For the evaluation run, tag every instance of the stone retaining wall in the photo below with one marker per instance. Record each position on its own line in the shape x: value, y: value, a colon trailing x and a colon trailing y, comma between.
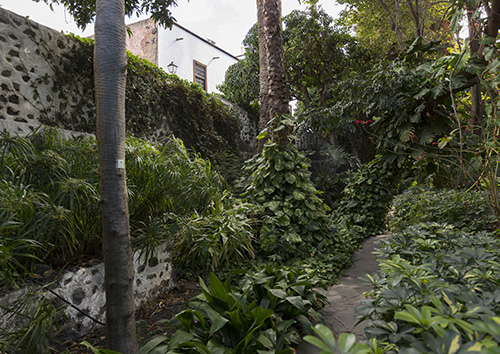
x: 84, y: 288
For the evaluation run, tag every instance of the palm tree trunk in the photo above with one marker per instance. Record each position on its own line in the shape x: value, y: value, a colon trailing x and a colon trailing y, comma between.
x: 110, y: 65
x: 277, y: 94
x: 263, y: 75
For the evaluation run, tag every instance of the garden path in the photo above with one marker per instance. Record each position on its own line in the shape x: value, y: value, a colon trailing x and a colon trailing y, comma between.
x: 346, y: 296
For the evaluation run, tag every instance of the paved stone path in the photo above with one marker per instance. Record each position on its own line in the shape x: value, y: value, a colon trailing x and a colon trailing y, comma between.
x: 346, y: 296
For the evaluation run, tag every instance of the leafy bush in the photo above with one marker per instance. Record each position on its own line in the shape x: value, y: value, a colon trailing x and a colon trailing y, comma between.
x: 437, y: 289
x: 168, y: 178
x: 293, y: 219
x: 468, y: 211
x: 264, y: 313
x: 365, y: 202
x: 332, y: 172
x: 50, y: 203
x: 210, y: 242
x: 49, y: 189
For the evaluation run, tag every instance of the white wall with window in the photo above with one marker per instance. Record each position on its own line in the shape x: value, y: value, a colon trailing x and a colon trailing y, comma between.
x: 197, y: 58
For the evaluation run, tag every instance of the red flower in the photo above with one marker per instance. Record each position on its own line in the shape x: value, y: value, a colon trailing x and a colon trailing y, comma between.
x: 358, y: 122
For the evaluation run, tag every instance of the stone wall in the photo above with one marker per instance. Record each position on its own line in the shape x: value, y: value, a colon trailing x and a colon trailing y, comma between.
x: 84, y: 288
x: 46, y: 78
x: 248, y: 131
x: 32, y: 56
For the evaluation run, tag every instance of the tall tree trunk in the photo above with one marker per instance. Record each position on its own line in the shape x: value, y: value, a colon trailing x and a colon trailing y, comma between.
x: 475, y: 91
x: 415, y: 13
x: 110, y: 67
x: 278, y: 92
x: 263, y: 76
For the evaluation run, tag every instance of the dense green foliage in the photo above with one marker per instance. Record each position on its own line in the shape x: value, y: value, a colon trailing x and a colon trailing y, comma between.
x: 365, y: 201
x: 217, y: 240
x: 331, y: 171
x: 317, y: 57
x: 264, y: 312
x: 156, y: 99
x: 377, y: 26
x: 157, y: 105
x: 49, y: 200
x: 293, y: 219
x: 466, y: 210
x: 437, y: 288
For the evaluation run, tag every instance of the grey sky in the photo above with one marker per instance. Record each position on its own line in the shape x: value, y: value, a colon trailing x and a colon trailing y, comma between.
x: 224, y: 21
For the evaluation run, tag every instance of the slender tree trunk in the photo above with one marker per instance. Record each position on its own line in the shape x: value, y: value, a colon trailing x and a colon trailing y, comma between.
x: 263, y: 75
x: 110, y: 65
x: 475, y: 91
x: 278, y: 91
x: 395, y: 24
x: 414, y: 10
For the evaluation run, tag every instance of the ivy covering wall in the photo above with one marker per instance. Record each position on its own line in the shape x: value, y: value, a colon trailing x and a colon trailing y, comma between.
x: 55, y: 87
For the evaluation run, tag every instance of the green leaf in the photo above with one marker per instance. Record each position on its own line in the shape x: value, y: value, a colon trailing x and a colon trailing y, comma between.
x: 298, y: 302
x: 152, y: 344
x: 312, y: 226
x: 298, y: 195
x: 279, y: 293
x: 326, y: 336
x: 318, y: 343
x: 290, y: 177
x: 217, y: 288
x: 488, y: 53
x: 98, y: 351
x: 406, y: 316
x: 487, y: 40
x: 284, y: 220
x: 422, y: 93
x: 179, y: 338
x: 487, y: 327
x: 260, y: 315
x: 452, y: 342
x: 262, y: 135
x: 345, y: 342
x: 273, y: 205
x: 458, y: 81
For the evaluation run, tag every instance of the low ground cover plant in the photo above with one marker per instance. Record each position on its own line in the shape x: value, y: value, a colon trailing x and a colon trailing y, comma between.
x: 437, y: 292
x: 266, y: 311
x: 466, y: 210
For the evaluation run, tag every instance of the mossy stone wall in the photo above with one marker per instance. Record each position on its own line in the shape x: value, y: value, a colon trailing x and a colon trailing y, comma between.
x: 46, y: 77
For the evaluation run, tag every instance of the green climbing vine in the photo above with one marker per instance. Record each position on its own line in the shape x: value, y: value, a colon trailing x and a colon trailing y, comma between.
x: 157, y: 104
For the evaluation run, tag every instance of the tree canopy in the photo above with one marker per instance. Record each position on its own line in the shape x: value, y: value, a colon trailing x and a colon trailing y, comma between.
x: 389, y: 26
x: 84, y: 11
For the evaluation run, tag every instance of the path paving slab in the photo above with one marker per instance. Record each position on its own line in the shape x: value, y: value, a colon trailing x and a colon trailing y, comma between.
x: 347, y: 295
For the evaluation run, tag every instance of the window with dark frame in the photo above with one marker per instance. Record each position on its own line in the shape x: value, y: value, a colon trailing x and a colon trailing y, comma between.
x: 200, y: 74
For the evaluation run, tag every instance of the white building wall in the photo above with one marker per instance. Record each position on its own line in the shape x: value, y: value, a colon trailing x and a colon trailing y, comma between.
x: 183, y: 51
